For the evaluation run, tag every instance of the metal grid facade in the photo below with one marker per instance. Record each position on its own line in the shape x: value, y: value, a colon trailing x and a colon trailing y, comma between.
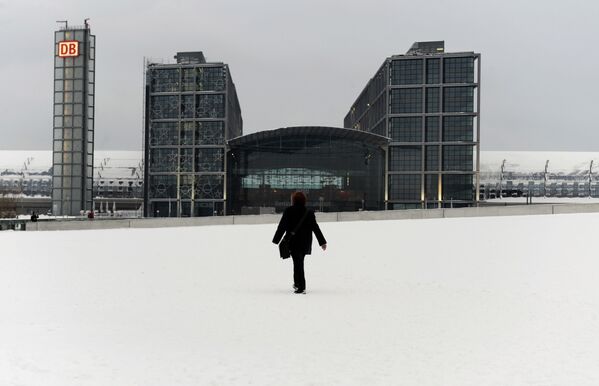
x: 73, y: 122
x: 191, y: 110
x: 428, y: 103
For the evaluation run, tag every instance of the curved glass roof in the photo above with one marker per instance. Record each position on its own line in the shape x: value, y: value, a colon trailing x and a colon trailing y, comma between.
x: 336, y: 132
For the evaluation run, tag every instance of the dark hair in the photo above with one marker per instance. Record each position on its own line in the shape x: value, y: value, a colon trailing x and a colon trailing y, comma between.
x: 298, y: 198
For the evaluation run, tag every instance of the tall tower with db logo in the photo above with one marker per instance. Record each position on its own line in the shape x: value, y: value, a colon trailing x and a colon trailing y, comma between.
x: 73, y: 120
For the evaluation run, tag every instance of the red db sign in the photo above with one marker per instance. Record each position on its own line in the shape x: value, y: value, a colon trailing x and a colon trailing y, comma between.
x: 68, y: 48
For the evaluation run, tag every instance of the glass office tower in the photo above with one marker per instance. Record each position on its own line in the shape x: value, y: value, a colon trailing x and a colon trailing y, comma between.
x: 427, y: 101
x: 73, y: 147
x: 191, y: 110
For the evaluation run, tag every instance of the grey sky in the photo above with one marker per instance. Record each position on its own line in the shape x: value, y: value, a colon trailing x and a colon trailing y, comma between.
x: 304, y: 62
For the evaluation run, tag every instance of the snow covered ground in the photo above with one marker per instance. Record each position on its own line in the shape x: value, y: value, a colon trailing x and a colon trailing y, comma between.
x: 472, y: 301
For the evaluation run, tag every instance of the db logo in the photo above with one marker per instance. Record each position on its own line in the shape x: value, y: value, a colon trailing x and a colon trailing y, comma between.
x: 68, y: 48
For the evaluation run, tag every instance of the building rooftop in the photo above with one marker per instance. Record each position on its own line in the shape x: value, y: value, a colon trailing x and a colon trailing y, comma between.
x: 420, y: 48
x: 192, y: 57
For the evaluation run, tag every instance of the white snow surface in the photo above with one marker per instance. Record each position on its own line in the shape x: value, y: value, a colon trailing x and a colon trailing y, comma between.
x: 473, y: 301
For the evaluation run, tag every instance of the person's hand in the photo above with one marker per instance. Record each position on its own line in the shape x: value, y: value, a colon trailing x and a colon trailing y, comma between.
x: 324, y: 247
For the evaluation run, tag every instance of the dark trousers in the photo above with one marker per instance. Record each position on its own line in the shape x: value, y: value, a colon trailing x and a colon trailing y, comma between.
x: 298, y: 270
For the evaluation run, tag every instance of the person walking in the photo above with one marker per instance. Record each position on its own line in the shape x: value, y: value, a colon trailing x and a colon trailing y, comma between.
x: 300, y: 242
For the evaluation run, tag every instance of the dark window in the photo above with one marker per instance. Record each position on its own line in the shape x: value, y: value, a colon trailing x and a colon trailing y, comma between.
x: 458, y: 70
x: 406, y: 100
x: 457, y: 187
x: 406, y: 129
x: 433, y: 100
x: 406, y: 72
x: 432, y: 129
x: 405, y: 158
x: 458, y: 128
x: 457, y: 158
x: 458, y: 99
x: 433, y: 71
x: 432, y: 158
x: 404, y: 187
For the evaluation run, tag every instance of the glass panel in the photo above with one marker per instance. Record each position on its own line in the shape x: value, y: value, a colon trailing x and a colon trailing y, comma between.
x: 432, y: 129
x: 457, y: 187
x: 164, y: 160
x: 209, y: 187
x: 209, y: 160
x: 210, y: 106
x: 458, y: 99
x: 404, y: 187
x: 433, y: 71
x: 406, y: 71
x: 406, y: 100
x: 210, y: 78
x: 210, y: 133
x: 406, y: 129
x: 458, y: 128
x: 186, y: 160
x: 405, y: 158
x: 163, y: 187
x: 431, y: 187
x: 164, y: 133
x: 433, y: 100
x: 164, y: 107
x: 458, y: 70
x: 187, y: 131
x: 432, y: 158
x: 187, y: 106
x: 164, y: 80
x: 458, y: 158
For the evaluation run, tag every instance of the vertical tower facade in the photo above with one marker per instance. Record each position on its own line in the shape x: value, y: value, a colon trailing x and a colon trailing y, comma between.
x: 73, y: 120
x: 428, y: 103
x: 191, y: 110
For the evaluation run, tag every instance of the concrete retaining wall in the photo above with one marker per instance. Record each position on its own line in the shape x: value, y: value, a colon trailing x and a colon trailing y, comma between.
x: 520, y: 210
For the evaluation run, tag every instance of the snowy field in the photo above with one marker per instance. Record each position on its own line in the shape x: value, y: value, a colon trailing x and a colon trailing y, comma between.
x: 474, y: 301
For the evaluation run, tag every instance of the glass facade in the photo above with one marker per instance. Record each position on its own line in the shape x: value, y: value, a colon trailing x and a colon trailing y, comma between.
x: 192, y: 109
x: 73, y: 123
x: 338, y: 170
x: 432, y: 121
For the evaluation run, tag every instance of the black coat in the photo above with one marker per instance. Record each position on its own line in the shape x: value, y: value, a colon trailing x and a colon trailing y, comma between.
x: 302, y: 240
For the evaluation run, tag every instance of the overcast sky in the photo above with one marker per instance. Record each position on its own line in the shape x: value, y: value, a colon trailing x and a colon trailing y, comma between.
x: 303, y: 62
